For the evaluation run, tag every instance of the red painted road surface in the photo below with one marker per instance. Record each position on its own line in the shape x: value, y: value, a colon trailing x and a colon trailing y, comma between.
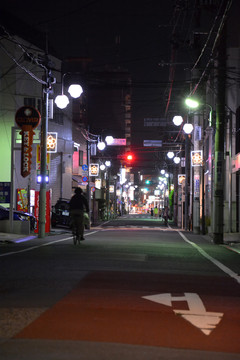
x: 109, y: 307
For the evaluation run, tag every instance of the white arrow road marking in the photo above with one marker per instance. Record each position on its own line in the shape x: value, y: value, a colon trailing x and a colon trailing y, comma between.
x: 197, y: 315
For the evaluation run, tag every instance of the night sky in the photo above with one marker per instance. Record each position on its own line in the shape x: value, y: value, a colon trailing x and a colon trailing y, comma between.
x: 144, y: 37
x: 133, y: 34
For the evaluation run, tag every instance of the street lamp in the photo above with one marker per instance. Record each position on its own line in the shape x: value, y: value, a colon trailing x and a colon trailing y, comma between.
x: 170, y: 154
x: 176, y: 159
x: 192, y: 103
x: 108, y: 163
x: 75, y: 90
x: 101, y: 145
x: 195, y: 171
x: 62, y: 101
x: 109, y: 140
x: 177, y: 120
x: 188, y: 128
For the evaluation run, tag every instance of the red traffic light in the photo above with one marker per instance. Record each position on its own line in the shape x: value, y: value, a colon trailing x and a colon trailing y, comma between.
x: 129, y: 157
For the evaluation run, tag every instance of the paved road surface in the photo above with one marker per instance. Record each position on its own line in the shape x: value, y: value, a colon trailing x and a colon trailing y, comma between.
x: 134, y: 289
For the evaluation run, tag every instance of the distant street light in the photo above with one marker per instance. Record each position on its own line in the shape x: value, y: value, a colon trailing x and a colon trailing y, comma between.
x: 177, y: 120
x: 188, y: 128
x: 108, y: 163
x: 101, y: 145
x: 109, y: 140
x: 170, y: 154
x: 191, y: 103
x: 176, y: 159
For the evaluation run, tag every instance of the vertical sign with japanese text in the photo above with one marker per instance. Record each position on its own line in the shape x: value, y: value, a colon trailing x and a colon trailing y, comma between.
x: 27, y: 118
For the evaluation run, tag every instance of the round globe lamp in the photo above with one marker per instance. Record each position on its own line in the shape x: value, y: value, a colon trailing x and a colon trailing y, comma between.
x: 62, y: 101
x: 75, y: 90
x: 177, y: 120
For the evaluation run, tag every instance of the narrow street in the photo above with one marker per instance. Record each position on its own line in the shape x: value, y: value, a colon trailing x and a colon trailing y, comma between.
x: 134, y: 289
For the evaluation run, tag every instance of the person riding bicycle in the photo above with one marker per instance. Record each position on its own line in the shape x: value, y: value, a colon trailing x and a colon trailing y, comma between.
x: 77, y: 205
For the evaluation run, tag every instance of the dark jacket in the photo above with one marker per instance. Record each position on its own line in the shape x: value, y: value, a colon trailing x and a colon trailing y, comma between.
x: 78, y: 202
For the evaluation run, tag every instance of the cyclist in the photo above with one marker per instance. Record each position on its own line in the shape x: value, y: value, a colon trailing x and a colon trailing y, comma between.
x: 77, y: 205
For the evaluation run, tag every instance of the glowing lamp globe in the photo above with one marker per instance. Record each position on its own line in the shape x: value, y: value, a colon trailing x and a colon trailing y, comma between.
x: 176, y: 160
x: 191, y: 103
x: 177, y: 120
x: 108, y: 163
x: 101, y: 145
x: 61, y: 101
x: 75, y: 90
x: 170, y: 154
x: 188, y: 128
x: 109, y: 140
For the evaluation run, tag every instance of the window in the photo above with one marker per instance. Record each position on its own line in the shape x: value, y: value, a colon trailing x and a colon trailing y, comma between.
x: 30, y: 102
x: 80, y: 157
x: 57, y: 116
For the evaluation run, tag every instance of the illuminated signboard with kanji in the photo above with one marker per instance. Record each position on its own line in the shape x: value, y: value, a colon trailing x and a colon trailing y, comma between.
x: 52, y: 142
x: 181, y: 179
x: 196, y: 158
x: 94, y: 169
x: 27, y: 118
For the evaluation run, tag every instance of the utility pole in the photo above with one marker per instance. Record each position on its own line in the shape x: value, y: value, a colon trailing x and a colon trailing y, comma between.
x: 218, y: 199
x: 44, y: 131
x: 88, y: 182
x: 187, y: 173
x: 196, y: 171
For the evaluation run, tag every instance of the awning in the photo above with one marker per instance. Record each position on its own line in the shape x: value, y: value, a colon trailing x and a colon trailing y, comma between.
x: 77, y: 178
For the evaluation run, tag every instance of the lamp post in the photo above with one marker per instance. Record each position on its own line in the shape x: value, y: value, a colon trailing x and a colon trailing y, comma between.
x: 108, y: 165
x: 75, y: 90
x: 198, y: 171
x: 195, y: 171
x: 187, y: 129
x: 44, y: 130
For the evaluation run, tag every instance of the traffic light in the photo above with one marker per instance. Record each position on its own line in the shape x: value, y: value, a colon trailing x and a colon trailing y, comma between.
x: 129, y: 158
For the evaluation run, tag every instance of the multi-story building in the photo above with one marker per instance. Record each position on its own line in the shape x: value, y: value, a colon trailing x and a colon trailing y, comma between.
x: 23, y: 67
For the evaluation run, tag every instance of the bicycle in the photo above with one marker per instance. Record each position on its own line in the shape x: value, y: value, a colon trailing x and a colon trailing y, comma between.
x: 75, y: 235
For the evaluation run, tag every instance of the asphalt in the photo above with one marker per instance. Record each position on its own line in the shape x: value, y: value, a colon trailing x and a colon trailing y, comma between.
x: 231, y: 240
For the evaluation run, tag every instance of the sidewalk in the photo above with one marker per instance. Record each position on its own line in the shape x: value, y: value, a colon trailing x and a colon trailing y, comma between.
x: 232, y: 241
x: 15, y: 238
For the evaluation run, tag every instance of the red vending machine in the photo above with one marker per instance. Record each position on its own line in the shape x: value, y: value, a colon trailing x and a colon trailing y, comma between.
x: 48, y: 211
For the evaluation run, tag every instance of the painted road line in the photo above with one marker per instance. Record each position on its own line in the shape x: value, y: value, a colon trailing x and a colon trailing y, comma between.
x: 197, y: 315
x: 41, y: 245
x: 210, y: 258
x: 121, y: 313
